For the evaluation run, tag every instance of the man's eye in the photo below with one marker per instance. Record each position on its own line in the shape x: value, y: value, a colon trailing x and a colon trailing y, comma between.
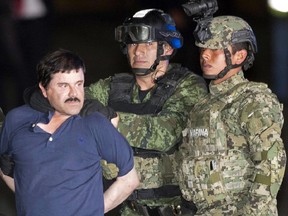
x: 63, y: 85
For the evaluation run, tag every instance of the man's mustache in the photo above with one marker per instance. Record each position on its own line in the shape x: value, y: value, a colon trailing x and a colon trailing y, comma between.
x: 72, y: 99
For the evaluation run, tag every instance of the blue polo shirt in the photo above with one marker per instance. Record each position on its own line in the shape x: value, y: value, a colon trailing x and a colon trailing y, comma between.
x: 60, y: 174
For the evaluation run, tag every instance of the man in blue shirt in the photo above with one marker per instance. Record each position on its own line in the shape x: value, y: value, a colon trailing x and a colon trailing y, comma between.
x: 57, y: 155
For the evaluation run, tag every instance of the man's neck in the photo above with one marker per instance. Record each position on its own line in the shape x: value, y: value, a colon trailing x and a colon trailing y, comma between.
x: 145, y: 82
x: 148, y: 81
x: 55, y: 122
x: 228, y: 75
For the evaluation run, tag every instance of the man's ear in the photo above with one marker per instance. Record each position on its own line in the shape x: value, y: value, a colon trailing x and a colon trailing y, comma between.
x: 168, y: 50
x: 240, y: 56
x: 43, y: 90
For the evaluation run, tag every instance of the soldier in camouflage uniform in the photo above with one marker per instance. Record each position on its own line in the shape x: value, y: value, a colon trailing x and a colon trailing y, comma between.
x: 153, y: 103
x: 233, y: 155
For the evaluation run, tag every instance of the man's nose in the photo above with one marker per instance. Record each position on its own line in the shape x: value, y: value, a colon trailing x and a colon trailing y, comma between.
x: 205, y: 54
x: 72, y: 92
x: 139, y: 48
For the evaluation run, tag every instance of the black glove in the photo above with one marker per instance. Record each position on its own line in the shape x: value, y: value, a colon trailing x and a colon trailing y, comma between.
x: 93, y: 105
x: 7, y: 165
x: 34, y: 98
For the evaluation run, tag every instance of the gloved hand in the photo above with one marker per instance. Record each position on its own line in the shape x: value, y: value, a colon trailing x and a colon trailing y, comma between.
x: 7, y: 165
x: 34, y: 97
x: 93, y: 105
x: 110, y: 170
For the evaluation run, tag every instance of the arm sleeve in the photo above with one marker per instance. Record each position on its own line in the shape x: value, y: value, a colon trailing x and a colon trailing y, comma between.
x: 99, y: 90
x: 263, y: 120
x: 164, y: 130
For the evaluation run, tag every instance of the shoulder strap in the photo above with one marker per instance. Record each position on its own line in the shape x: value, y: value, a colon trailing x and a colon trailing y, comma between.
x: 167, y: 85
x: 121, y: 87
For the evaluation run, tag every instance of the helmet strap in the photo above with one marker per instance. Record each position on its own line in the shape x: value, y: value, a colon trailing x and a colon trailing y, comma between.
x: 146, y: 71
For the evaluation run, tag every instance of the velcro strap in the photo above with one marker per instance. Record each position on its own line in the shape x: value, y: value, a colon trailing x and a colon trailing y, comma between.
x: 262, y: 179
x: 259, y: 156
x: 214, y: 177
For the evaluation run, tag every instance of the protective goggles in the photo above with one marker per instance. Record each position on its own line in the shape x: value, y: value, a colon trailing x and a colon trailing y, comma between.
x: 135, y: 33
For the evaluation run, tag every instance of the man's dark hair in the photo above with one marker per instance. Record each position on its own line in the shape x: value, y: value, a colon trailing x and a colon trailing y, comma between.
x: 58, y: 61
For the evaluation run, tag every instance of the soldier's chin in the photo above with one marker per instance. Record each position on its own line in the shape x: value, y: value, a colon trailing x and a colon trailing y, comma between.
x: 141, y: 71
x: 210, y: 76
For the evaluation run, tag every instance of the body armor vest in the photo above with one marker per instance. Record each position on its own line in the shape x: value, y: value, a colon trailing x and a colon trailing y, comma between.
x: 217, y: 165
x: 121, y: 88
x: 154, y: 167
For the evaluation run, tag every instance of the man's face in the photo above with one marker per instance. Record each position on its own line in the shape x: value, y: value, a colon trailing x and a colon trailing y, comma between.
x: 212, y: 61
x: 65, y: 92
x: 142, y: 55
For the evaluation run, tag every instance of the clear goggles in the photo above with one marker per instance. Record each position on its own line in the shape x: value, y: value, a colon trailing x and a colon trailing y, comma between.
x: 135, y: 33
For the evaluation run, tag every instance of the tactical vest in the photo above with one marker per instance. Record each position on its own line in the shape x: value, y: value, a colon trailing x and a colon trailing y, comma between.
x: 121, y: 88
x: 155, y: 167
x: 217, y: 167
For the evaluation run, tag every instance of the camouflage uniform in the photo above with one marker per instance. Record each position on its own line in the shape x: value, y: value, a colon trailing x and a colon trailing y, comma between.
x: 233, y: 156
x: 160, y: 132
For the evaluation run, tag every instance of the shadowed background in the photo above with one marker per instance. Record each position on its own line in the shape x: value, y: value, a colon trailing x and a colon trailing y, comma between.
x: 87, y: 27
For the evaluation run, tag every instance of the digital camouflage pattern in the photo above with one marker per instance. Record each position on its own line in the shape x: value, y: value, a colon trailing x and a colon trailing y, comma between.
x: 110, y: 170
x: 224, y: 32
x: 155, y: 132
x: 233, y: 156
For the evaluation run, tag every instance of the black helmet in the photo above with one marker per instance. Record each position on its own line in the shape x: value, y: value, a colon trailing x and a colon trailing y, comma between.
x: 147, y: 26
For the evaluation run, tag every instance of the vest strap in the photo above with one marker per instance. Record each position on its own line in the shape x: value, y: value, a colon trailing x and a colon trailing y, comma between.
x: 167, y: 191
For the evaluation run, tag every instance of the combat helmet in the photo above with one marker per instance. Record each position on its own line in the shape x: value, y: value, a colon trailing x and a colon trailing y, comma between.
x: 222, y: 31
x: 149, y: 25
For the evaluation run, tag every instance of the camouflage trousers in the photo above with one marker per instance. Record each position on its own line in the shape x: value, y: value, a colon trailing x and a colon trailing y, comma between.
x: 141, y: 210
x: 247, y: 210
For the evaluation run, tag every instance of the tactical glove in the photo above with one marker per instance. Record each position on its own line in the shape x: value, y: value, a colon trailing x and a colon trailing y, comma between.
x: 7, y: 165
x: 110, y: 170
x: 93, y: 105
x: 34, y: 97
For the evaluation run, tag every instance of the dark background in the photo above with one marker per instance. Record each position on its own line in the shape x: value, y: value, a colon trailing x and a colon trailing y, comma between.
x: 87, y: 27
